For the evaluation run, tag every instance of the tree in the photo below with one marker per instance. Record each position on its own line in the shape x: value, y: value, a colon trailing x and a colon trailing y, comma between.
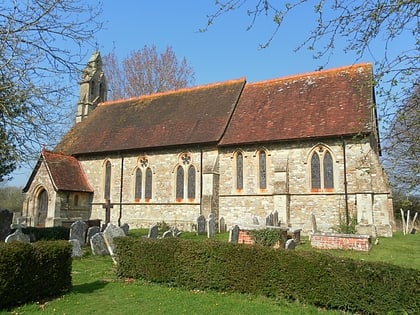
x: 11, y: 198
x: 40, y: 53
x: 146, y: 72
x: 359, y: 26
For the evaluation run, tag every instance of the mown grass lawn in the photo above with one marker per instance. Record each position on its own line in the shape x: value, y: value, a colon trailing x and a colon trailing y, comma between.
x: 96, y: 290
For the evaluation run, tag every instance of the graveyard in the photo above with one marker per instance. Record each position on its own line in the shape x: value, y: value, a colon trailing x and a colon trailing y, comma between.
x: 95, y: 278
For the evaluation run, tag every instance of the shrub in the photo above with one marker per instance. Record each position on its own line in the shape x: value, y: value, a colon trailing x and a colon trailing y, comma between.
x: 309, y: 277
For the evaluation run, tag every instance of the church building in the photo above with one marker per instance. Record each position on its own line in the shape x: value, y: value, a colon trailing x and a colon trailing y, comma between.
x: 294, y: 146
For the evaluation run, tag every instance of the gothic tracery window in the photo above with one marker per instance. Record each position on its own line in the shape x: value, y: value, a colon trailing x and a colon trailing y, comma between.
x: 322, y: 170
x: 148, y: 185
x: 239, y: 171
x: 191, y: 182
x: 107, y: 181
x: 185, y: 180
x: 180, y: 183
x: 262, y: 170
x: 138, y: 184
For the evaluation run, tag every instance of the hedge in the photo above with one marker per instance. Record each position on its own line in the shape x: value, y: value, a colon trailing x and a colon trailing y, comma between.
x: 32, y: 272
x: 309, y: 277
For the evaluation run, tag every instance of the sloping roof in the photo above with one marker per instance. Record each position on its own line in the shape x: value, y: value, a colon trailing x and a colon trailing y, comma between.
x: 183, y: 117
x: 65, y: 172
x: 318, y: 104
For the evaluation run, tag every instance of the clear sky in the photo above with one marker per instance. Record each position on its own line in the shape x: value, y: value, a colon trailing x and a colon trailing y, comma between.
x: 225, y: 51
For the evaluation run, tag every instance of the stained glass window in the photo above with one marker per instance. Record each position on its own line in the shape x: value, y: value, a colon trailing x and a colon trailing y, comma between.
x: 191, y: 182
x: 262, y: 170
x: 148, y: 188
x: 107, y: 186
x: 315, y: 172
x: 239, y: 171
x: 137, y: 192
x: 328, y: 171
x: 179, y: 183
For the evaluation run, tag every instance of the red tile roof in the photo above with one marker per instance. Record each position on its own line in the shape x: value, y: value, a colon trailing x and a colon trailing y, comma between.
x: 65, y: 172
x: 184, y: 117
x: 312, y: 105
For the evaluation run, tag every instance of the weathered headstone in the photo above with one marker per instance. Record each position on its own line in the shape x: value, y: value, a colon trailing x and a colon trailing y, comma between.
x: 112, y: 231
x: 90, y: 232
x: 6, y: 218
x: 269, y: 220
x: 313, y: 222
x: 211, y: 226
x: 276, y: 218
x: 234, y: 234
x: 296, y: 235
x: 201, y: 225
x: 255, y: 221
x: 167, y: 233
x: 76, y: 248
x: 18, y: 235
x: 125, y: 228
x: 176, y: 232
x: 153, y: 231
x: 290, y: 244
x: 78, y: 231
x: 222, y: 225
x: 98, y: 246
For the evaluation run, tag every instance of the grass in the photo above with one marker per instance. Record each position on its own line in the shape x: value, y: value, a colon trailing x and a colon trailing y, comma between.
x: 96, y: 290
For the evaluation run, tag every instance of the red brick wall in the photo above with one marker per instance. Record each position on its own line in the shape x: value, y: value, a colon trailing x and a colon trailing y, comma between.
x: 244, y: 238
x: 341, y: 241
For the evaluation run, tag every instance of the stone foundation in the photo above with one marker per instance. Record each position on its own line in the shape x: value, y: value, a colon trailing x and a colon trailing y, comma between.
x: 341, y: 241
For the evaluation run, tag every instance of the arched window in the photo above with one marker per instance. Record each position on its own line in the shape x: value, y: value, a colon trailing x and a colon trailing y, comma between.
x: 239, y: 171
x: 191, y: 182
x: 262, y: 170
x: 322, y: 170
x: 138, y: 184
x: 328, y: 171
x: 180, y: 183
x: 148, y: 188
x: 107, y: 181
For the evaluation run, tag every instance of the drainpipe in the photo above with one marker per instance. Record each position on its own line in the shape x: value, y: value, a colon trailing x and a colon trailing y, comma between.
x: 345, y: 186
x: 121, y: 189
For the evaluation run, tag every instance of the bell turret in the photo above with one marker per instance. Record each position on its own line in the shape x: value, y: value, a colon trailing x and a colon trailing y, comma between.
x: 92, y: 87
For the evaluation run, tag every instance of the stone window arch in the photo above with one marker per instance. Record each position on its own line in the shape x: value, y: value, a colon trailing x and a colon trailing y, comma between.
x: 143, y: 180
x: 322, y: 172
x: 185, y: 178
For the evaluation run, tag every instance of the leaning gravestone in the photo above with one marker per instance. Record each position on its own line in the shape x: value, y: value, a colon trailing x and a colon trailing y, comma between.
x: 92, y: 231
x: 313, y: 222
x: 153, y: 231
x: 76, y: 248
x: 98, y: 246
x: 112, y: 231
x: 125, y: 228
x: 18, y: 235
x: 211, y: 227
x: 201, y: 225
x: 6, y: 218
x: 234, y: 234
x: 78, y: 232
x: 168, y: 233
x: 222, y: 225
x: 290, y: 244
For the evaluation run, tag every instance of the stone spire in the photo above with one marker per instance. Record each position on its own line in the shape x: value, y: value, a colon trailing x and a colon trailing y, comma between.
x: 92, y: 87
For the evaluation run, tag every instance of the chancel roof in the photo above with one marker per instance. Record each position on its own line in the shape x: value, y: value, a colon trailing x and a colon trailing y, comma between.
x: 327, y: 103
x: 336, y: 102
x: 65, y: 172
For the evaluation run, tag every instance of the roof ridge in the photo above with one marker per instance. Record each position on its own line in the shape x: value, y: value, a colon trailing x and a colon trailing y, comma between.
x: 311, y: 73
x: 180, y: 90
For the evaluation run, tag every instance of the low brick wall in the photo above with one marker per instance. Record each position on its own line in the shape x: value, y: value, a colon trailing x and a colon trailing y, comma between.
x: 245, y: 238
x: 341, y: 241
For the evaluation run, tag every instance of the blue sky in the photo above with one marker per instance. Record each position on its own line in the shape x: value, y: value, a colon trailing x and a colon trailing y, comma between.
x: 225, y: 51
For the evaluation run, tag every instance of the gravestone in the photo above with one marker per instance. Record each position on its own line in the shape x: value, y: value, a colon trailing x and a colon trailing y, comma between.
x: 18, y: 235
x: 296, y: 235
x: 255, y: 221
x: 176, y: 232
x: 112, y: 231
x: 78, y: 231
x: 276, y: 218
x: 269, y: 220
x: 211, y: 226
x: 125, y: 228
x: 290, y: 244
x: 153, y: 231
x: 6, y: 219
x: 98, y: 246
x: 313, y: 222
x: 76, y: 248
x: 168, y: 233
x: 90, y: 232
x: 201, y: 225
x: 222, y: 225
x: 234, y: 234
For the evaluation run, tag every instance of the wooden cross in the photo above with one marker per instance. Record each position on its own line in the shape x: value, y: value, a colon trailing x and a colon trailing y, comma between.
x: 107, y: 206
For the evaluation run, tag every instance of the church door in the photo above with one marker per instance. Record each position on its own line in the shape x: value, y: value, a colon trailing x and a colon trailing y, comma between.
x: 42, y: 208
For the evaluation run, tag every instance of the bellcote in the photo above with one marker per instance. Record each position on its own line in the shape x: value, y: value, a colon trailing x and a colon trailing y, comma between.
x: 92, y: 87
